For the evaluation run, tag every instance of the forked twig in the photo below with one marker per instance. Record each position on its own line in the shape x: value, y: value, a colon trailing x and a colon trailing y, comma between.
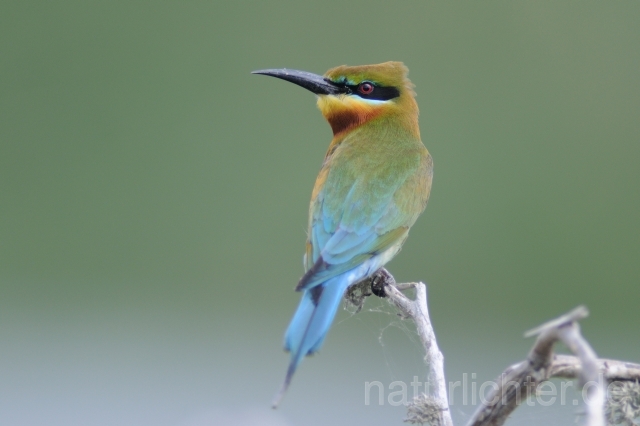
x: 518, y: 381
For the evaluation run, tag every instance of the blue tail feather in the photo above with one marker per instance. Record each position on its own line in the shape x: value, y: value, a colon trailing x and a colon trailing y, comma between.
x: 315, y: 313
x: 311, y: 322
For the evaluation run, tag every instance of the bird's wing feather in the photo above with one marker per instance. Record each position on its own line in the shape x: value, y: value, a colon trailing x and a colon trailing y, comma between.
x: 354, y: 216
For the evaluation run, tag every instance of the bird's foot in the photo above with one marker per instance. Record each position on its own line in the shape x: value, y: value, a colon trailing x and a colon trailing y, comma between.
x: 379, y: 280
x: 375, y: 284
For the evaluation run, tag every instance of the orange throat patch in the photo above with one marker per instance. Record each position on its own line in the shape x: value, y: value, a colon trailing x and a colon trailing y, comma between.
x: 344, y: 113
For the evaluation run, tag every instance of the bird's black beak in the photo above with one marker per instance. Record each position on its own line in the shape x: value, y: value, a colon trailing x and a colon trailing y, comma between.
x: 313, y: 82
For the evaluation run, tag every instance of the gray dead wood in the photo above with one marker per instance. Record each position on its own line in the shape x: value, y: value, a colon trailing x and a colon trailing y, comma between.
x: 518, y: 381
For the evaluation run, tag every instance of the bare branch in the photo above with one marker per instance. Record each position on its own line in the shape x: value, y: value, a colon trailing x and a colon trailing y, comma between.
x: 417, y: 310
x: 541, y: 365
x: 569, y: 367
x: 571, y: 337
x: 518, y: 381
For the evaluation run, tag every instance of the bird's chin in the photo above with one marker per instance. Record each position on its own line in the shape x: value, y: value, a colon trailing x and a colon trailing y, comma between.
x: 341, y: 104
x: 347, y: 112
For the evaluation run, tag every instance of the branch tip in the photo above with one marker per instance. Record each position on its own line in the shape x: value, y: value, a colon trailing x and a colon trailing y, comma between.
x: 577, y: 314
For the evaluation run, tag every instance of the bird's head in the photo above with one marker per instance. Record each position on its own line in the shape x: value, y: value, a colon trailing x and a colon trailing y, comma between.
x: 349, y: 96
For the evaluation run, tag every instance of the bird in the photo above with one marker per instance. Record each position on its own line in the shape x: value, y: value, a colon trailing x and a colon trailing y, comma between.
x: 373, y: 184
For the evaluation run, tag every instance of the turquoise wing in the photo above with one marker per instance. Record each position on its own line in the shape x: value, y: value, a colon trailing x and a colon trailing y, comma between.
x: 362, y: 210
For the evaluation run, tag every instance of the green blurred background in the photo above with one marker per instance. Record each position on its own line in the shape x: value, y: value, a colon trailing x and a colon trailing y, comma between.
x: 154, y: 201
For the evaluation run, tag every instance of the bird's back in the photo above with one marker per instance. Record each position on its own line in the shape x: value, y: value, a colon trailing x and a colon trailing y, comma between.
x: 373, y: 184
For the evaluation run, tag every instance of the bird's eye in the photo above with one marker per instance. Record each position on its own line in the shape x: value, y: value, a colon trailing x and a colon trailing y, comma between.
x: 365, y: 88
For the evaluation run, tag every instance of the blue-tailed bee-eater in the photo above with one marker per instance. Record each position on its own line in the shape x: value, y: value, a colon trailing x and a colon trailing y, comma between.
x: 373, y: 184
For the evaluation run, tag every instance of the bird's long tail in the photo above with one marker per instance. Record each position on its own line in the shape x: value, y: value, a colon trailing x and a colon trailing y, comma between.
x: 311, y: 323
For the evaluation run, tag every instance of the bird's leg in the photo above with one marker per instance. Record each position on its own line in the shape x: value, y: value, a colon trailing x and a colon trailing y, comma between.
x: 375, y: 284
x: 379, y: 280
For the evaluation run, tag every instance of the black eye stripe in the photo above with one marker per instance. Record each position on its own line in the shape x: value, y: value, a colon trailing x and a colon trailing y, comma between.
x: 379, y: 93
